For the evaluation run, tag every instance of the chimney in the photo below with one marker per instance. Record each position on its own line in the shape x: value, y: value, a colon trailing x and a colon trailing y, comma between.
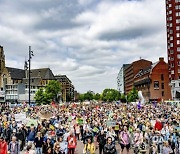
x: 161, y: 58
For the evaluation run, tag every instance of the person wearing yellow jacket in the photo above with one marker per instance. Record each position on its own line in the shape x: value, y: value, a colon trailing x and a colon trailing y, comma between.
x: 89, y: 147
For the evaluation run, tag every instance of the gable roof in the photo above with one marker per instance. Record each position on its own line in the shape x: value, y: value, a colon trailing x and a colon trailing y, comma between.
x: 43, y: 73
x: 16, y: 73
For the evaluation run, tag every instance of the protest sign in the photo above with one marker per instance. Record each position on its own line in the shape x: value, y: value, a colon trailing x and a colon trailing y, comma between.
x: 31, y: 122
x: 111, y: 123
x: 80, y: 121
x: 21, y: 117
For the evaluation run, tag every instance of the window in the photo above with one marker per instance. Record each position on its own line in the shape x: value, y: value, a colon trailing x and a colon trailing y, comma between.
x: 177, y: 21
x: 177, y: 7
x: 171, y: 52
x: 162, y: 93
x: 177, y: 27
x: 172, y: 71
x: 171, y: 45
x: 162, y: 85
x: 178, y: 48
x: 156, y: 84
x: 162, y: 77
x: 178, y: 56
x: 172, y: 65
x: 171, y: 31
x: 178, y: 70
x: 177, y: 34
x: 170, y: 5
x: 172, y: 58
x: 177, y: 14
x: 170, y: 18
x: 171, y: 38
x: 178, y: 63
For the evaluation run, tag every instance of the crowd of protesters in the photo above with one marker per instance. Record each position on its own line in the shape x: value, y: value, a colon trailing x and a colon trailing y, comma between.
x: 150, y: 128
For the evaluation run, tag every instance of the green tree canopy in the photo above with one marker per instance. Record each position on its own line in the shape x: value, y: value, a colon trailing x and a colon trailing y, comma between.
x: 39, y: 96
x: 48, y: 93
x: 88, y: 96
x: 132, y: 95
x: 110, y: 95
x: 97, y: 96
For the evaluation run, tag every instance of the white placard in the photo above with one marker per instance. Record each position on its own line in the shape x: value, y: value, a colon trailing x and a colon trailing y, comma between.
x: 20, y: 117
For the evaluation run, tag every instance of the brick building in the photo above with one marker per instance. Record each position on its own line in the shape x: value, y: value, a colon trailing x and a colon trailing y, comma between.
x: 153, y: 81
x: 132, y: 70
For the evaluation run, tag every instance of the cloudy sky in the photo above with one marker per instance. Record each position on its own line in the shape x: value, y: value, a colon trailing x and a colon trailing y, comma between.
x: 88, y: 40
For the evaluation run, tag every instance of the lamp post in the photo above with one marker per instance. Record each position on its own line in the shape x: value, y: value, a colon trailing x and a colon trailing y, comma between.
x: 30, y: 57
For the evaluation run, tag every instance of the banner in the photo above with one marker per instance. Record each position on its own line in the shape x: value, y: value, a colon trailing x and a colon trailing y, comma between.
x: 31, y: 122
x: 80, y: 121
x: 20, y: 117
x: 111, y: 123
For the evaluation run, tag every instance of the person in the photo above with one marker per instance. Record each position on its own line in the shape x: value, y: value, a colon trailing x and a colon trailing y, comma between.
x: 77, y: 131
x: 13, y: 147
x: 49, y: 151
x: 111, y: 133
x: 31, y: 135
x: 57, y: 150
x: 101, y: 139
x: 138, y: 140
x: 3, y: 146
x: 63, y: 145
x: 109, y: 147
x: 38, y: 141
x: 166, y: 148
x: 89, y: 147
x: 125, y: 140
x: 7, y: 133
x: 47, y: 144
x: 71, y: 143
x: 29, y: 150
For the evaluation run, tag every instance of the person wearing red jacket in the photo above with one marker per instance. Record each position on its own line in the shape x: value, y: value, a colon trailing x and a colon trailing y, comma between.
x: 158, y: 125
x: 3, y: 146
x: 71, y: 143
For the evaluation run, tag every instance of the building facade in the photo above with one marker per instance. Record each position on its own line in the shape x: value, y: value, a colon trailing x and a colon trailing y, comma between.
x: 14, y: 82
x: 153, y: 81
x: 173, y: 45
x: 120, y: 79
x: 132, y: 70
x: 67, y: 88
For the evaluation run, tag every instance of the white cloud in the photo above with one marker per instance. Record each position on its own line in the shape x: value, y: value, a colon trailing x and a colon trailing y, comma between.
x: 88, y: 40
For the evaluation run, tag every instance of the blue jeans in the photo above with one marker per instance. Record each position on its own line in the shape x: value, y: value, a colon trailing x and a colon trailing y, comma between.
x: 38, y: 150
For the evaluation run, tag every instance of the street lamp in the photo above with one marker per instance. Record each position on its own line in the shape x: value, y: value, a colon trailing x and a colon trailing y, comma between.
x: 31, y: 54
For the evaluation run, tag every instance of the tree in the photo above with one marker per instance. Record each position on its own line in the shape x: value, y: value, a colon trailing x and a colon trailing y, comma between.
x: 81, y: 97
x: 48, y: 93
x: 132, y: 95
x: 39, y: 96
x: 123, y: 98
x: 97, y: 96
x: 110, y: 95
x: 52, y: 89
x: 88, y: 96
